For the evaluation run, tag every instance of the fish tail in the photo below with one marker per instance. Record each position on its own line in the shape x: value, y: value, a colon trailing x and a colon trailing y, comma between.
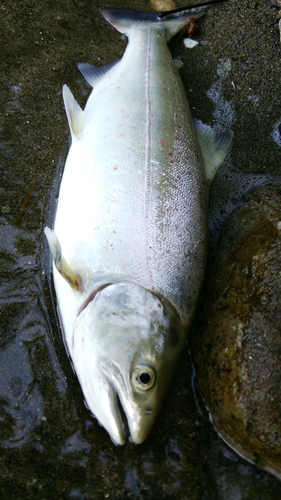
x: 171, y: 22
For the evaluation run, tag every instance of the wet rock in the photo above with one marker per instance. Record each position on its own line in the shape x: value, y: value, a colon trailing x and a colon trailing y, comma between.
x: 237, y: 339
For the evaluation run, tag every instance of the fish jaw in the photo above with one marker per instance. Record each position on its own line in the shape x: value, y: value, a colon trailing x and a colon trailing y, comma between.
x: 125, y: 351
x: 140, y: 409
x: 99, y: 392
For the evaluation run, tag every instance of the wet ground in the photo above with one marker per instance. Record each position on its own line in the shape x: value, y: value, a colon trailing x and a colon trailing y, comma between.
x: 51, y: 447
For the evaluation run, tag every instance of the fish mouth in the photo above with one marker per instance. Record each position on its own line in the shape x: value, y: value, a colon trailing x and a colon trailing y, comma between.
x: 125, y: 410
x: 131, y: 421
x: 120, y: 426
x: 119, y: 431
x: 123, y: 417
x: 110, y: 412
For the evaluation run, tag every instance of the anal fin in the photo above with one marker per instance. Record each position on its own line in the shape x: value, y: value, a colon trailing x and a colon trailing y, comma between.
x: 61, y: 264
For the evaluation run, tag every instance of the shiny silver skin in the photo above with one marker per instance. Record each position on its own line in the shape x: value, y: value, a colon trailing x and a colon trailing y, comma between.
x: 132, y: 224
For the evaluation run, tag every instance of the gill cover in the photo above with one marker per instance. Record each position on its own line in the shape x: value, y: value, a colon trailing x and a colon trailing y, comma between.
x: 125, y: 347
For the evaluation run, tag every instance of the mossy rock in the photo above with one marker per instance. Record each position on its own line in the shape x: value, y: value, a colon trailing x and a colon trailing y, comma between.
x: 236, y: 343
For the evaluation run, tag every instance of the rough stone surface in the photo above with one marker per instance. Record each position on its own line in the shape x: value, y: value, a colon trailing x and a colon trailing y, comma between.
x: 237, y: 346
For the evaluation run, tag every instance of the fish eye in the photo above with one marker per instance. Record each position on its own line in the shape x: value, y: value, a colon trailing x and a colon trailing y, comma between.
x: 143, y: 378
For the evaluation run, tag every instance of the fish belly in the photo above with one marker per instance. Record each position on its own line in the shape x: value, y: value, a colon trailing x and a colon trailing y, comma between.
x: 133, y: 198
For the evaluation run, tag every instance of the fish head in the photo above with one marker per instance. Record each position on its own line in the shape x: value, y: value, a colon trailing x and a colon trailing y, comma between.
x: 126, y: 345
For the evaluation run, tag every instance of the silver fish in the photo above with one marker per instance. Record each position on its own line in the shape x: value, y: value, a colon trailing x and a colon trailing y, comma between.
x: 132, y: 223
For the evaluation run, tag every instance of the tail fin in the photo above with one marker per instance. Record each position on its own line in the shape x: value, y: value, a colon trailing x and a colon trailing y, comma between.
x: 124, y: 19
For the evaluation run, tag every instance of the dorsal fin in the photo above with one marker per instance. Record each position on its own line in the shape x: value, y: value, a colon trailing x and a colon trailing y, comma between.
x: 74, y: 112
x: 214, y: 147
x: 93, y: 74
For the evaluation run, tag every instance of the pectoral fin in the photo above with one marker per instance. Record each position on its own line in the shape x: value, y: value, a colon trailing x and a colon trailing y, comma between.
x: 214, y: 147
x: 62, y: 266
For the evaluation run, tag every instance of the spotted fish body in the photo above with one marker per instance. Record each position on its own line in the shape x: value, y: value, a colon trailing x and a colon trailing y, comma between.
x: 131, y: 222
